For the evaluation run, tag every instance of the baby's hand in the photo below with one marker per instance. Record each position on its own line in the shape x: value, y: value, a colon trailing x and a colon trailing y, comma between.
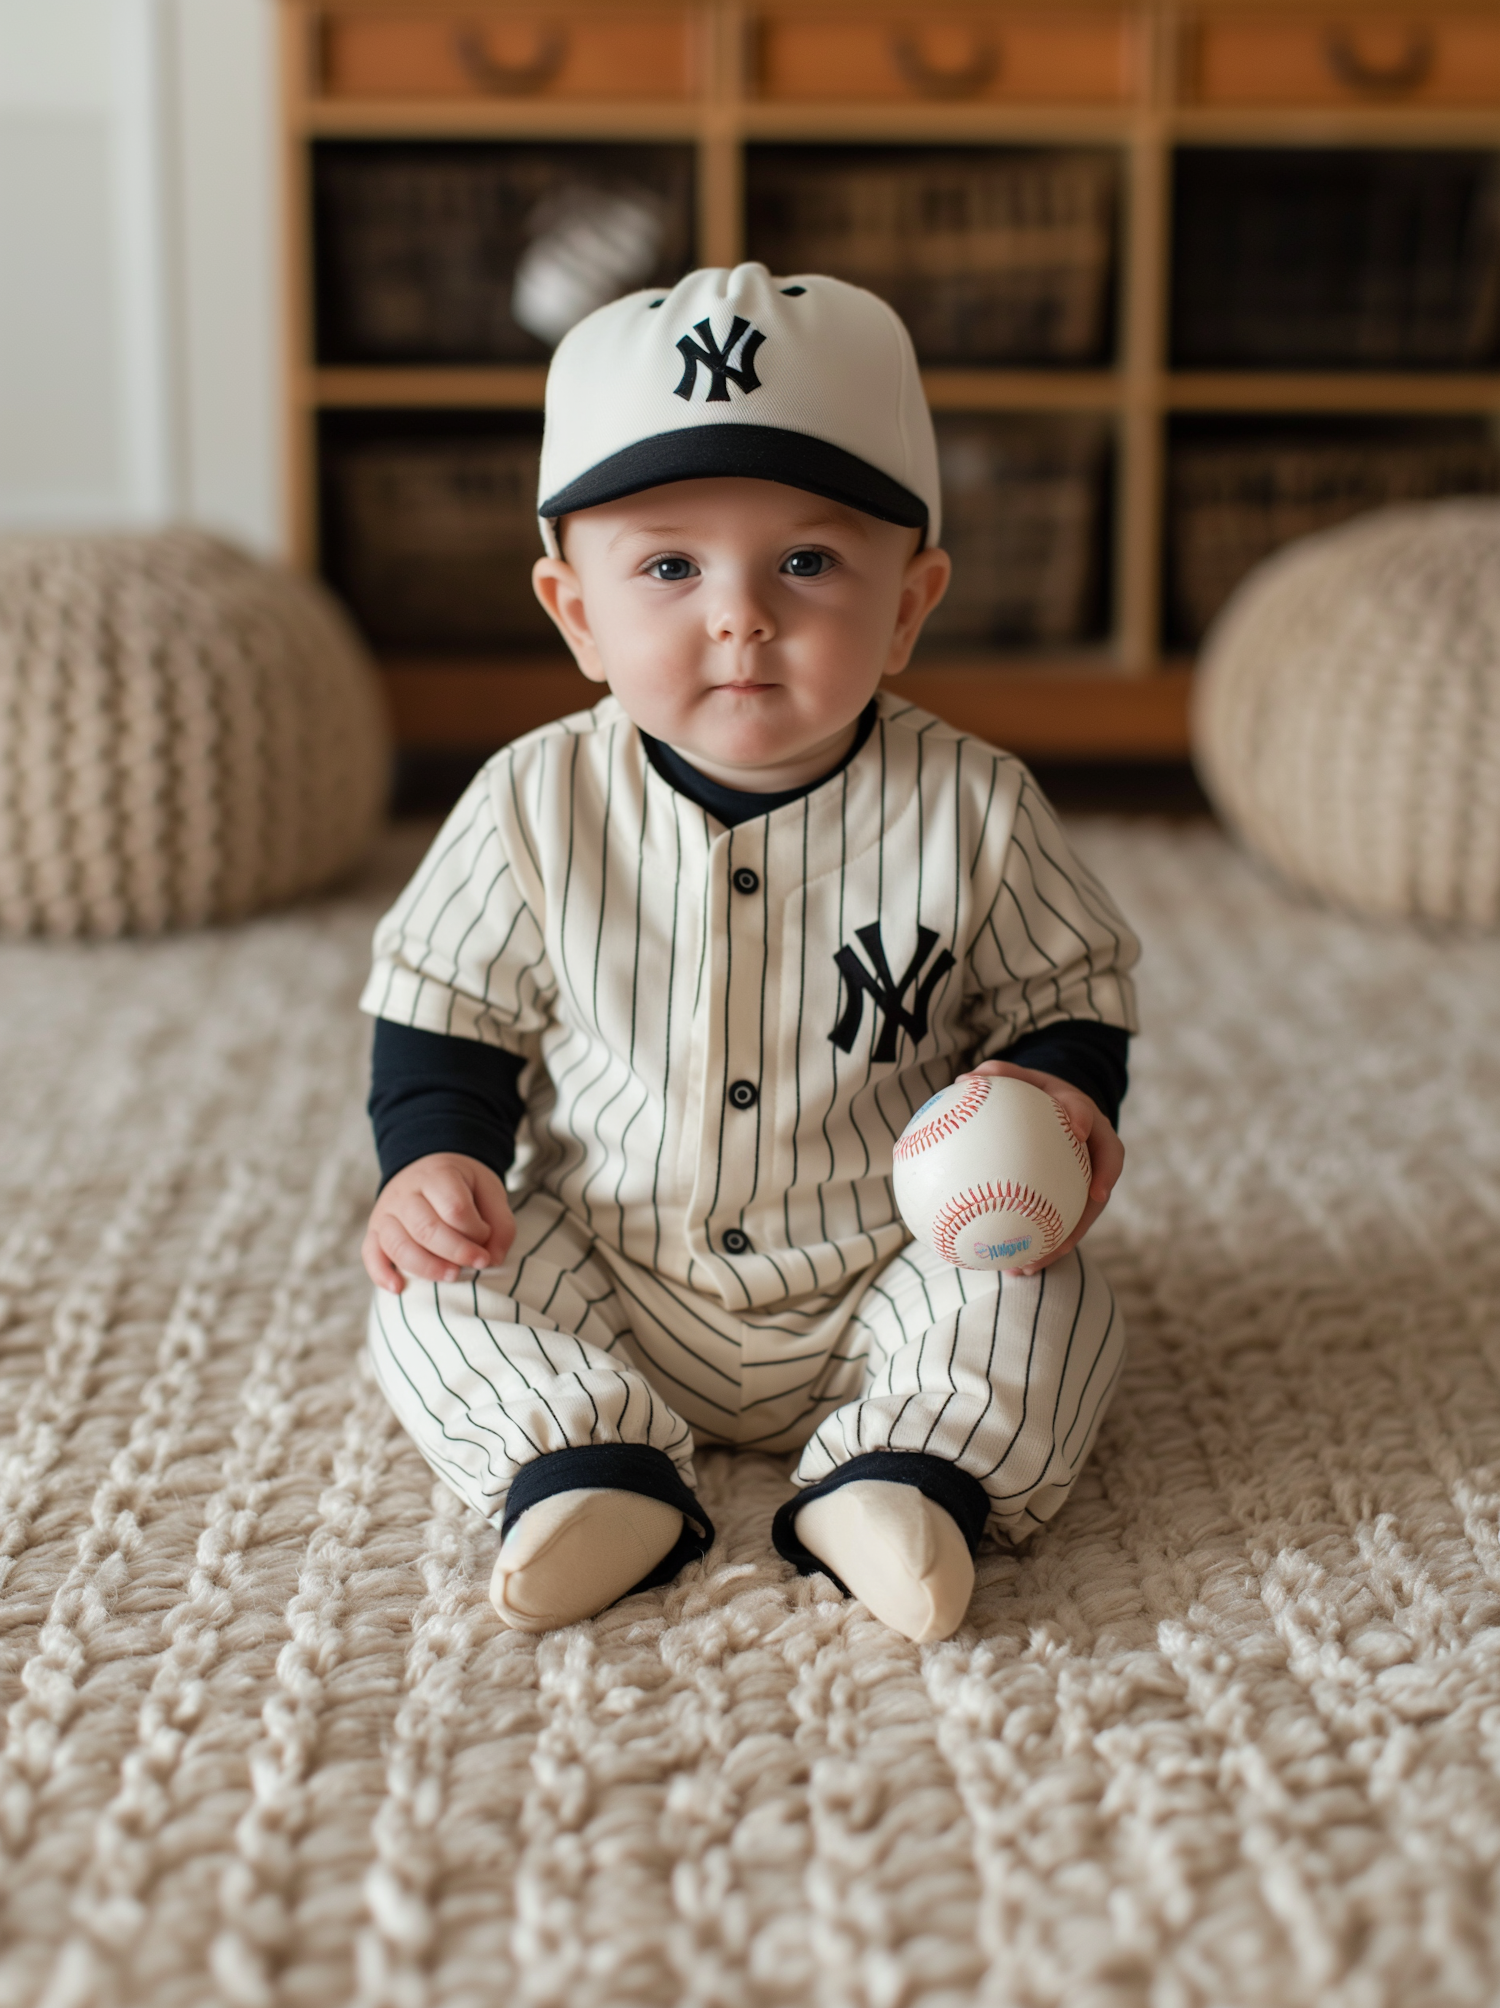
x: 1094, y: 1131
x: 436, y: 1217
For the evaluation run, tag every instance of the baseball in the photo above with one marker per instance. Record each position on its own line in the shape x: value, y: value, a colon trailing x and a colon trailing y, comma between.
x: 989, y: 1174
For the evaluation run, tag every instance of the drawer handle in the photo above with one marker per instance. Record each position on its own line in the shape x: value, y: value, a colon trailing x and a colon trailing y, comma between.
x: 967, y: 81
x: 1408, y: 72
x: 511, y: 80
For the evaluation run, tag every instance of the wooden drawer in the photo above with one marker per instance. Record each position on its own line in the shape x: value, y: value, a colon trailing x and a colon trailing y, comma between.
x: 514, y: 55
x: 1347, y: 59
x: 953, y: 57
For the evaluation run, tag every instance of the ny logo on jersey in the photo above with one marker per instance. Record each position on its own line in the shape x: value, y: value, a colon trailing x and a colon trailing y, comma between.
x: 716, y: 360
x: 886, y: 991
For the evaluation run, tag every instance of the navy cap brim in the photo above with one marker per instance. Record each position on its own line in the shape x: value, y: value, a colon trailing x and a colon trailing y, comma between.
x: 759, y: 452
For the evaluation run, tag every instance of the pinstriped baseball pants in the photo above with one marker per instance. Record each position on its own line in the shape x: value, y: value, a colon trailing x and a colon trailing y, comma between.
x: 567, y: 1344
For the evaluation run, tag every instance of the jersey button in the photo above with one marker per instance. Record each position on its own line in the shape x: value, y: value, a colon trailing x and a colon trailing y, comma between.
x: 746, y: 880
x: 743, y: 1094
x: 736, y: 1241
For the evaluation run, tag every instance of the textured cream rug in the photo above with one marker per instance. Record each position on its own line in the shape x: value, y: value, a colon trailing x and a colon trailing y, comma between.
x: 1229, y: 1733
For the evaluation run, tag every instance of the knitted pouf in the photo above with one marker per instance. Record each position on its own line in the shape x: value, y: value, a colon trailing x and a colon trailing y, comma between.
x: 186, y: 735
x: 1347, y: 712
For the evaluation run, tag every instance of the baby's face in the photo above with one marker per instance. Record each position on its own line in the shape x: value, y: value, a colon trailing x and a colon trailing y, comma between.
x: 745, y: 623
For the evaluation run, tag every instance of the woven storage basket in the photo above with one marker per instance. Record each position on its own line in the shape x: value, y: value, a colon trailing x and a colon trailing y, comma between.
x: 1023, y: 507
x: 1347, y: 714
x: 987, y: 257
x: 434, y: 540
x: 186, y: 735
x: 1231, y: 505
x: 418, y: 245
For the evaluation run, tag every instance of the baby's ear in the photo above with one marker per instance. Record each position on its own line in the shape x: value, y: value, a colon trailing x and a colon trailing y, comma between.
x: 557, y: 586
x: 922, y: 586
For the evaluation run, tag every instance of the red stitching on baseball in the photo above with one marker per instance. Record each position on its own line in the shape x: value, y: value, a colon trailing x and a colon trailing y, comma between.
x: 966, y: 1207
x: 1080, y: 1148
x: 912, y: 1143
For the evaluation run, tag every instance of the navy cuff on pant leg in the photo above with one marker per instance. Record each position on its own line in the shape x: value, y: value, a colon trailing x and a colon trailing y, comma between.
x: 621, y: 1467
x: 956, y: 1491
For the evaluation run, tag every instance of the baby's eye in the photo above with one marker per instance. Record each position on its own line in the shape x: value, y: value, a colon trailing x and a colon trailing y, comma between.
x: 671, y: 571
x: 808, y: 564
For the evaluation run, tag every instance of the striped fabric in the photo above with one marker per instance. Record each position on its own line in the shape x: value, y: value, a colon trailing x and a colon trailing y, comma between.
x: 725, y: 1031
x: 567, y: 1344
x: 728, y: 1029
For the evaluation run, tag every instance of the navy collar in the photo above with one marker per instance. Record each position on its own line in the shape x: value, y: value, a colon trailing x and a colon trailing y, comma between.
x: 733, y: 806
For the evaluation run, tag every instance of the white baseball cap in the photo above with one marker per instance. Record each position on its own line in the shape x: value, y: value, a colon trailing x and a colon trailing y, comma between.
x: 806, y: 380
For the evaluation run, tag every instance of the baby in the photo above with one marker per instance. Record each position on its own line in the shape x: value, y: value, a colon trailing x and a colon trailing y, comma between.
x: 681, y: 968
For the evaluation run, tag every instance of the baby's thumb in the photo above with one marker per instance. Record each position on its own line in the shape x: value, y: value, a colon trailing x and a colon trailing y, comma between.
x: 457, y: 1207
x: 499, y: 1221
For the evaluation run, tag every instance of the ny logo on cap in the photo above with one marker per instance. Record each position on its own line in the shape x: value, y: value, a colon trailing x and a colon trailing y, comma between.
x: 716, y: 360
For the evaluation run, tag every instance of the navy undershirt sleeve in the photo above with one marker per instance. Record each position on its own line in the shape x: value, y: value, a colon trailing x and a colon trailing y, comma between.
x: 430, y: 1092
x: 1082, y: 1052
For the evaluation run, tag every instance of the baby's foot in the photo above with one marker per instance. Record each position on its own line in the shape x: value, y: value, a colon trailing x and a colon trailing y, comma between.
x: 897, y: 1551
x: 573, y: 1555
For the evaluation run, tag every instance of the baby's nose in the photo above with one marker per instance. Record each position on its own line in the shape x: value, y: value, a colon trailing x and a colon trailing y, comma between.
x: 742, y: 617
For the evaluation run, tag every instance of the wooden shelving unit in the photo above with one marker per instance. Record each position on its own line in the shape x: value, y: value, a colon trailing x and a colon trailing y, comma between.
x: 1141, y: 79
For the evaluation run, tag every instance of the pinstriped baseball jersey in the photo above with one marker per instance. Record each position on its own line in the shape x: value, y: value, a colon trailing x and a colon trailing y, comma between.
x: 726, y: 1030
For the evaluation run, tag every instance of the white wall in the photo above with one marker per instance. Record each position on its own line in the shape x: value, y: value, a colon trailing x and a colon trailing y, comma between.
x: 138, y: 265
